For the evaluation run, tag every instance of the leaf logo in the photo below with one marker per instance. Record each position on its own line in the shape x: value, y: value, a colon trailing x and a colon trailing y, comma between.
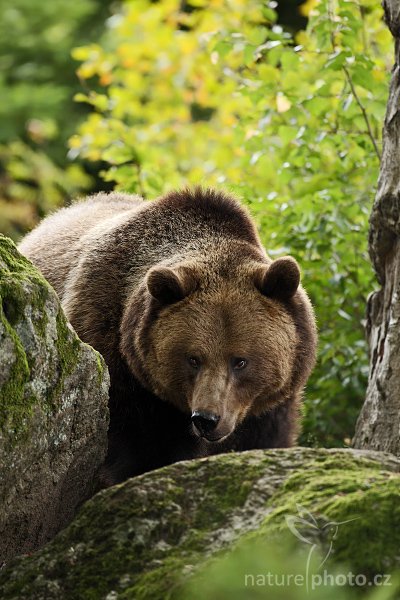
x: 306, y: 527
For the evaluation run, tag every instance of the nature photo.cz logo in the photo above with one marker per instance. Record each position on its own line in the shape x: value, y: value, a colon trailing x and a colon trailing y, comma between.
x: 308, y: 530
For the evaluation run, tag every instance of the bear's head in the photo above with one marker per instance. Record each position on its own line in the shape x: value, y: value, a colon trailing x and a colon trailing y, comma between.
x: 220, y: 346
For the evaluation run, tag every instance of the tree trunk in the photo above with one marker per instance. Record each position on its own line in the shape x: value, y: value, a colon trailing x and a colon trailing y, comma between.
x: 378, y: 425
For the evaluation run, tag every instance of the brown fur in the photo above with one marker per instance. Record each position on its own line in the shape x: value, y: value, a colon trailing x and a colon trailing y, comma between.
x: 150, y: 284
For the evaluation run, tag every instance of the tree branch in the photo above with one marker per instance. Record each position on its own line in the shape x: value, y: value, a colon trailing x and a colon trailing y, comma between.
x: 364, y: 112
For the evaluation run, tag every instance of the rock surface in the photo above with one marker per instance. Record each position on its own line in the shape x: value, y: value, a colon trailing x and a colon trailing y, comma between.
x: 53, y: 410
x: 151, y: 536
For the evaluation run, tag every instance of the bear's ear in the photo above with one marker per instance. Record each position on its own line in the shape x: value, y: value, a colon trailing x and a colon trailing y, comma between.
x: 170, y: 285
x: 280, y: 280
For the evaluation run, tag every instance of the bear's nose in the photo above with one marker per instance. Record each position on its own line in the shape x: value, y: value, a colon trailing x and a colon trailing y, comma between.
x: 205, y: 422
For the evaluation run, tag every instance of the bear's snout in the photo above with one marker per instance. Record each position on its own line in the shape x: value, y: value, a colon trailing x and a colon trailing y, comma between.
x: 205, y: 423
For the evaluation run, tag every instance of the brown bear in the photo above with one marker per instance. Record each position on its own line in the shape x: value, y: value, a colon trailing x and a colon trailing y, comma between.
x: 208, y: 341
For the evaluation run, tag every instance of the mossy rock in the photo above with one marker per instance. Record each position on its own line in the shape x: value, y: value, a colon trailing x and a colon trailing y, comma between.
x: 53, y: 409
x: 160, y: 535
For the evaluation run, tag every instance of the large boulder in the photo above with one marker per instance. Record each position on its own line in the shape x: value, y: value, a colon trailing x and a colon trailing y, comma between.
x: 53, y: 409
x: 167, y: 534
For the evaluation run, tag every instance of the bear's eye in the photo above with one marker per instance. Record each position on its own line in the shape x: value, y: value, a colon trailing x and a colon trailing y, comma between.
x: 194, y: 362
x: 239, y: 363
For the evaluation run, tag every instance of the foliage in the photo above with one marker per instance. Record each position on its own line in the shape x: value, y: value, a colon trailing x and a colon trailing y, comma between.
x: 219, y: 94
x: 31, y: 185
x: 260, y: 569
x: 37, y: 83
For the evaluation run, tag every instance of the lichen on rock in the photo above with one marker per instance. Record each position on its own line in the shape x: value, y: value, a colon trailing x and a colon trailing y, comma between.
x: 53, y: 409
x: 152, y: 536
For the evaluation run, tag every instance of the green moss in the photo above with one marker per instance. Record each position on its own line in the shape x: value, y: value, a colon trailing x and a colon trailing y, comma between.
x: 68, y: 353
x: 100, y: 366
x: 158, y: 583
x: 21, y: 284
x: 226, y: 491
x: 67, y: 344
x: 13, y: 406
x: 355, y: 493
x: 15, y: 262
x: 165, y: 510
x: 15, y: 272
x: 338, y: 489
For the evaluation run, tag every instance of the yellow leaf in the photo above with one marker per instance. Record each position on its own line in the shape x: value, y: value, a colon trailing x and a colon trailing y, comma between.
x: 105, y: 79
x: 306, y: 8
x: 378, y: 74
x: 128, y: 62
x: 74, y: 141
x: 228, y: 119
x: 187, y: 44
x: 86, y: 71
x: 268, y: 73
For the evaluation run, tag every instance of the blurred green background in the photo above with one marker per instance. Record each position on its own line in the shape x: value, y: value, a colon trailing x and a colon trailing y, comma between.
x: 279, y: 102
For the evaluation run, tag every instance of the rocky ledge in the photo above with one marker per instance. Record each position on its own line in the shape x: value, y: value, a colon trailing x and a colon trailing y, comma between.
x: 196, y: 529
